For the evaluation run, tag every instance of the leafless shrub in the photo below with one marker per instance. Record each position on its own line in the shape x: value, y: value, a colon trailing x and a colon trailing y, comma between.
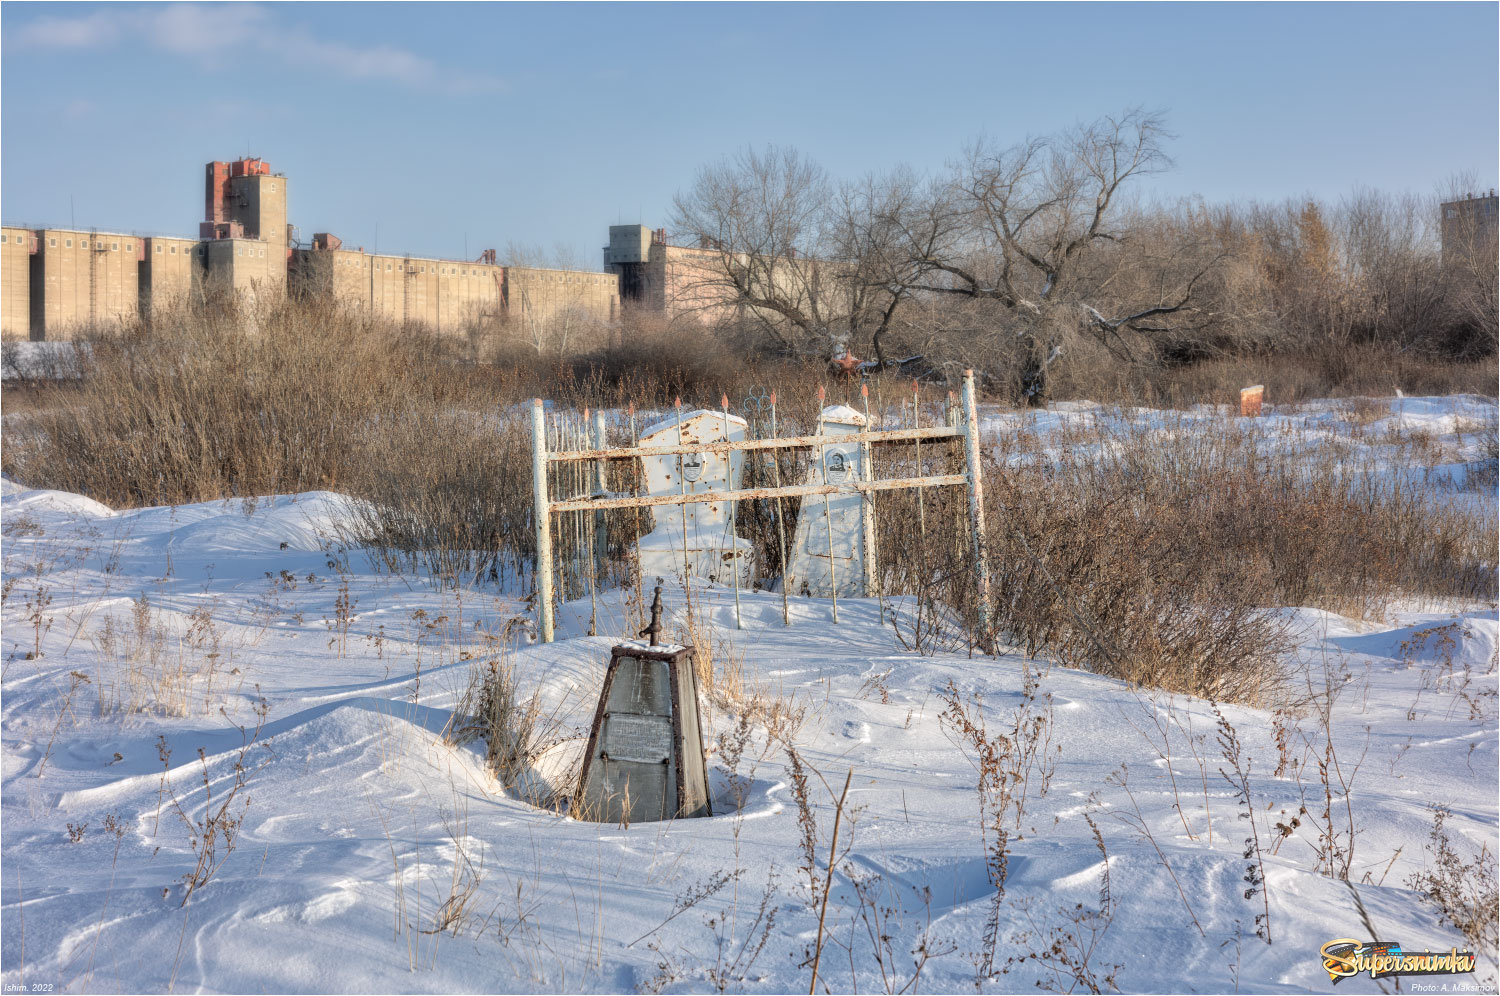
x: 1464, y: 890
x: 1238, y: 778
x: 75, y: 679
x: 516, y: 728
x: 1007, y: 762
x: 1066, y: 950
x: 213, y: 837
x: 457, y: 908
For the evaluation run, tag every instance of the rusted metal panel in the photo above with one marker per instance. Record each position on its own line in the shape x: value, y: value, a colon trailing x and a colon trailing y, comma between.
x: 788, y: 443
x: 790, y: 491
x: 644, y: 761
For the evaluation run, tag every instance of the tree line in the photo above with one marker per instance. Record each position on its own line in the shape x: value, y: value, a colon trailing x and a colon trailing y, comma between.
x: 1024, y: 258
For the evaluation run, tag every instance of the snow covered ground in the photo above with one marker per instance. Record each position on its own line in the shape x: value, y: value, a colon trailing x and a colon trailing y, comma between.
x: 139, y: 644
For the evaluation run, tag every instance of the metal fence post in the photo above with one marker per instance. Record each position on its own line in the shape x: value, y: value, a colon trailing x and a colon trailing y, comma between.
x: 601, y: 487
x: 974, y: 472
x: 543, y: 517
x: 867, y: 504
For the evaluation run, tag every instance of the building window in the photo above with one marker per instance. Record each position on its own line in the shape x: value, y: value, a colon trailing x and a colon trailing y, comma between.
x: 114, y: 247
x: 174, y: 250
x: 130, y: 247
x: 18, y: 240
x: 273, y: 188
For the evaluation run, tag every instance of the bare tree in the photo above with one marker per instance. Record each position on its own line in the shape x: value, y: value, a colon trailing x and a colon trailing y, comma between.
x: 1031, y: 227
x: 760, y: 224
x: 883, y: 228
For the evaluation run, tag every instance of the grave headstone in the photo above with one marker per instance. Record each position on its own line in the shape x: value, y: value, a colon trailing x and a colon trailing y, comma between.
x: 829, y: 545
x: 695, y: 539
x: 644, y: 762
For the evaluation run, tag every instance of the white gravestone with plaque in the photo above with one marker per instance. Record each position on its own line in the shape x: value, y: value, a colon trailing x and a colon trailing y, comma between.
x: 694, y: 539
x: 830, y: 543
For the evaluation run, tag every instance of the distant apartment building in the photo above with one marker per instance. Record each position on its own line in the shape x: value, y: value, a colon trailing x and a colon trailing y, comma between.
x: 1469, y: 225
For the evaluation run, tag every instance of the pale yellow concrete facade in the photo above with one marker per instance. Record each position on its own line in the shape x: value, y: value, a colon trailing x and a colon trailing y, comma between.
x: 259, y: 203
x: 83, y: 280
x: 445, y: 295
x: 15, y: 283
x: 546, y: 296
x: 171, y: 274
x: 451, y: 295
x: 253, y: 269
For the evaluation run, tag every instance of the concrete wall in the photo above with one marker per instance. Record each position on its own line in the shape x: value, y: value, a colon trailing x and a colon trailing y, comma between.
x: 537, y: 296
x: 251, y: 268
x: 452, y: 295
x: 1469, y: 226
x: 81, y: 279
x: 171, y: 271
x: 259, y: 203
x: 15, y: 283
x: 445, y: 295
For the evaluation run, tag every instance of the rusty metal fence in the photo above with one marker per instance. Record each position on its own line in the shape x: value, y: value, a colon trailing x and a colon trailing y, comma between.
x: 587, y: 457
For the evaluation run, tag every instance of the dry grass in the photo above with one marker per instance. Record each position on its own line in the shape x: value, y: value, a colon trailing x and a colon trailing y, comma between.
x: 1147, y: 555
x: 1463, y: 888
x: 144, y: 666
x: 1156, y: 554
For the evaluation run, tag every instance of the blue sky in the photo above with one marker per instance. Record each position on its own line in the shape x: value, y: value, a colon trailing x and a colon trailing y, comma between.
x: 475, y: 125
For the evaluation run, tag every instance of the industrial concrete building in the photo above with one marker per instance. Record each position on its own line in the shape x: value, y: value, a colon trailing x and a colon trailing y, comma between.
x: 695, y: 281
x: 546, y: 295
x: 58, y: 282
x: 1469, y: 226
x: 171, y: 274
x: 655, y: 276
x: 445, y: 295
x: 83, y: 279
x: 15, y: 283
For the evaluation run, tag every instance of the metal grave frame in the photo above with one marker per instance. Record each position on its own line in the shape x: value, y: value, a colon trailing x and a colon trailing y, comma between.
x: 967, y: 429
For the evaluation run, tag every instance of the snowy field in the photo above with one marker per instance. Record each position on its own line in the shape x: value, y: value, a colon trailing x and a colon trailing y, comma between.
x: 213, y: 688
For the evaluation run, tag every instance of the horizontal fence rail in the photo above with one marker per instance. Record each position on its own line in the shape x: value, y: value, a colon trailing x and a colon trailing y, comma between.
x: 788, y: 491
x: 787, y: 443
x: 966, y: 417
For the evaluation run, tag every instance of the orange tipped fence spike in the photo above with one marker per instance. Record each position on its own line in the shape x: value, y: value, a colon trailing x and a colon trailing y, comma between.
x: 630, y: 408
x: 677, y: 401
x: 821, y: 394
x: 773, y: 398
x: 724, y: 400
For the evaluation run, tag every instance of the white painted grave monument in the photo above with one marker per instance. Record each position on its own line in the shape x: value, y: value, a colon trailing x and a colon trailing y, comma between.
x: 830, y: 543
x: 696, y: 538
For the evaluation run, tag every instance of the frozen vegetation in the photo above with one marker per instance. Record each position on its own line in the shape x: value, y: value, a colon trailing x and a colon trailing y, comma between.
x: 234, y: 761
